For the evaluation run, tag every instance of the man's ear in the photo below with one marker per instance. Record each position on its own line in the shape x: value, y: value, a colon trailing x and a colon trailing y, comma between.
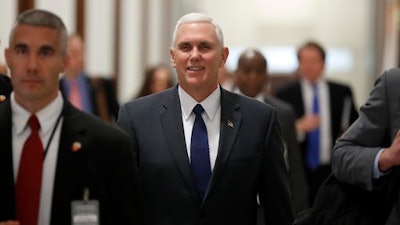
x: 172, y: 57
x: 225, y: 54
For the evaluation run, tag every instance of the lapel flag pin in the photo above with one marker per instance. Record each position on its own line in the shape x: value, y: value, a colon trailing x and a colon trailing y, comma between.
x: 230, y: 124
x: 2, y: 98
x: 76, y: 146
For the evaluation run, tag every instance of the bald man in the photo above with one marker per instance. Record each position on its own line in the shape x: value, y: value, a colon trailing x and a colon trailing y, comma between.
x: 251, y: 80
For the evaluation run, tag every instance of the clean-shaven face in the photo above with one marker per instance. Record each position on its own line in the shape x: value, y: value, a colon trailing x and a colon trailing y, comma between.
x: 197, y: 56
x: 35, y: 60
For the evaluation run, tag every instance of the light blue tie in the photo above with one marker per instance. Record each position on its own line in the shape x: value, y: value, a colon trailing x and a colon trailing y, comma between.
x: 199, y: 153
x: 313, y: 136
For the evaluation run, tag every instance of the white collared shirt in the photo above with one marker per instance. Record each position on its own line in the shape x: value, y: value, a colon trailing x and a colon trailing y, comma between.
x: 211, y: 117
x: 324, y: 112
x: 20, y: 131
x: 260, y: 96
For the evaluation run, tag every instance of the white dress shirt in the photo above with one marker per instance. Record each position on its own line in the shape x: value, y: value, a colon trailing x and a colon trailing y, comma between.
x: 211, y: 117
x: 20, y: 131
x: 324, y: 112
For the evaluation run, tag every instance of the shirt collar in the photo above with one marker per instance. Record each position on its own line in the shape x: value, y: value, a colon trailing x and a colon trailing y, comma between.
x: 211, y: 104
x: 260, y: 97
x: 46, y: 116
x: 308, y: 84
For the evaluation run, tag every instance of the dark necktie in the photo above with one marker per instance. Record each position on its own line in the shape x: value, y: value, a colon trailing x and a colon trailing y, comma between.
x: 199, y: 153
x: 29, y: 179
x: 313, y: 136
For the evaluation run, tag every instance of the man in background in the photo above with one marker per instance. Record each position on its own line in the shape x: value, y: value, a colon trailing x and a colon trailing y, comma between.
x: 94, y: 95
x: 252, y: 79
x: 323, y: 109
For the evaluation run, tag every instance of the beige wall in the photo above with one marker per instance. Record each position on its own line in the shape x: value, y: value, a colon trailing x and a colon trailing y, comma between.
x: 334, y: 23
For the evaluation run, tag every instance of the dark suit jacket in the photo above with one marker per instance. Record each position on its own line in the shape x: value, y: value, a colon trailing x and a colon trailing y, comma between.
x: 297, y: 178
x: 104, y: 164
x: 102, y: 97
x: 249, y: 161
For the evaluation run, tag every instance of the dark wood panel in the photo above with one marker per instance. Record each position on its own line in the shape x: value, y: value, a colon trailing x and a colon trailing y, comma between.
x: 24, y: 5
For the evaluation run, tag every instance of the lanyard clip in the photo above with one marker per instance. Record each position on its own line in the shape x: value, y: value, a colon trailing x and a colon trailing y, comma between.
x: 86, y: 194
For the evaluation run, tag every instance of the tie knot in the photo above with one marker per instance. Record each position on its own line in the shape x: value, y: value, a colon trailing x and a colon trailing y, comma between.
x: 198, y: 110
x: 33, y: 122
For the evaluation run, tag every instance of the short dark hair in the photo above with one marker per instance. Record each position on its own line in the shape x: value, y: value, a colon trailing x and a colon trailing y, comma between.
x: 315, y: 45
x: 43, y: 18
x: 256, y: 52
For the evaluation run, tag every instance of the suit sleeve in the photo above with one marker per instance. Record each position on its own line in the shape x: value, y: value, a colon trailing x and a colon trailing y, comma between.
x: 354, y: 153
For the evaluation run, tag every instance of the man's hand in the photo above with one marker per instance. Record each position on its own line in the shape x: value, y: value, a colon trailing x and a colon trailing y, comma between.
x: 307, y: 123
x: 390, y: 156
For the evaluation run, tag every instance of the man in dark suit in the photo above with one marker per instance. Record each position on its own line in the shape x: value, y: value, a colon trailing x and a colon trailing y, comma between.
x: 368, y: 153
x: 251, y: 78
x: 94, y: 95
x: 336, y: 110
x: 74, y: 158
x: 240, y: 151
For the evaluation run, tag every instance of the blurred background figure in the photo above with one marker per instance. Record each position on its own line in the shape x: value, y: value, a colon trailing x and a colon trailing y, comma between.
x: 252, y: 79
x: 226, y: 78
x: 5, y: 87
x: 3, y: 69
x: 5, y: 82
x: 94, y: 95
x: 157, y: 78
x: 324, y: 109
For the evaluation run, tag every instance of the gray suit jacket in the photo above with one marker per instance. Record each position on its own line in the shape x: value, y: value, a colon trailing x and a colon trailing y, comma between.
x: 355, y: 152
x: 249, y: 161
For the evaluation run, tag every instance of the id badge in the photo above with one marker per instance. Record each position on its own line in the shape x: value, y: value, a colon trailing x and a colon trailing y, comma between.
x: 85, y: 212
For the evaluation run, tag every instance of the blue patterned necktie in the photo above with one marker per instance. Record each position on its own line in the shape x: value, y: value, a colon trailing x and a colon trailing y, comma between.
x: 199, y: 153
x: 313, y: 136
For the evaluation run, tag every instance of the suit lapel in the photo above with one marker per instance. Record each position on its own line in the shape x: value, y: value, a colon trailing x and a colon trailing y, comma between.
x: 231, y: 119
x: 171, y: 121
x: 6, y: 165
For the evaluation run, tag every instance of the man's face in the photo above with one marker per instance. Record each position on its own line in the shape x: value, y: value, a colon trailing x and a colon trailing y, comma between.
x: 76, y: 57
x: 251, y: 75
x: 35, y: 61
x: 197, y: 57
x: 311, y: 64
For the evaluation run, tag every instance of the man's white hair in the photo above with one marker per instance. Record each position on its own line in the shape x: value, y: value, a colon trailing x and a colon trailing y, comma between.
x: 198, y: 18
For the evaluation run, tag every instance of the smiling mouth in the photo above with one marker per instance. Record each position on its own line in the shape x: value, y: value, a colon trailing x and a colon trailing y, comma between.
x: 195, y: 68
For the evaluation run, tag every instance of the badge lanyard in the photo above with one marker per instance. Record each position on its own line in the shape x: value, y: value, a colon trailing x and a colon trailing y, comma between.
x: 52, y: 135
